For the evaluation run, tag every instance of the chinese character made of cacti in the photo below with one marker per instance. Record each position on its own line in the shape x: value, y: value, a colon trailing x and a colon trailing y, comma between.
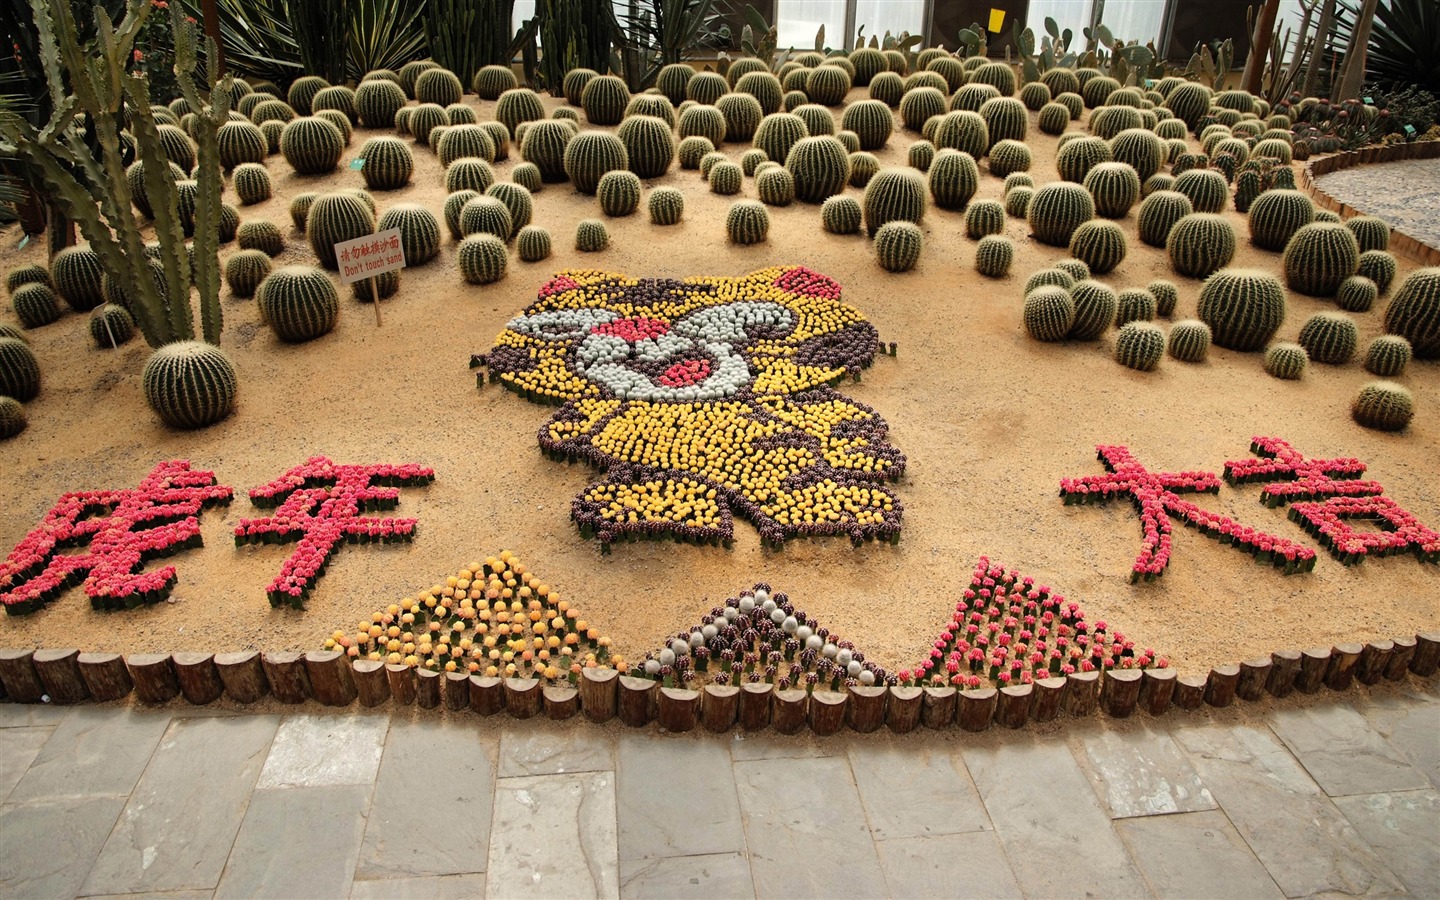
x: 706, y: 397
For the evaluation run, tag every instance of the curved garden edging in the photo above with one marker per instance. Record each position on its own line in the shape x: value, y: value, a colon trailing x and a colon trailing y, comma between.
x: 1400, y: 242
x: 331, y: 678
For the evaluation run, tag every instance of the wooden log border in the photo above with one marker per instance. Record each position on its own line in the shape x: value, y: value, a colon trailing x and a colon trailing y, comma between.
x: 1401, y: 244
x: 602, y: 695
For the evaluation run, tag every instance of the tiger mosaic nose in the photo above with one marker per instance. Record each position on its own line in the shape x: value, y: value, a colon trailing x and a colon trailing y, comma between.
x: 633, y: 329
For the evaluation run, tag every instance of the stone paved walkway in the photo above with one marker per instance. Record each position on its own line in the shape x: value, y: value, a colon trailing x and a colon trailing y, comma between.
x: 1405, y: 194
x: 1329, y: 796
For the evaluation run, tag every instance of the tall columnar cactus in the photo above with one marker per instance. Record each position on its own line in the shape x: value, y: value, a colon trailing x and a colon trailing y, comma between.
x: 1139, y: 346
x: 1057, y: 209
x: 1095, y: 308
x: 299, y: 303
x: 1158, y: 214
x: 1330, y: 337
x: 1200, y: 244
x: 84, y: 168
x: 954, y: 178
x: 335, y: 218
x: 1377, y: 265
x: 1414, y: 313
x: 591, y: 154
x: 841, y: 215
x: 1207, y: 189
x: 1383, y: 405
x: 1276, y: 215
x: 1244, y: 308
x: 872, y: 122
x: 77, y: 273
x: 376, y: 103
x: 649, y: 145
x: 994, y: 255
x: 1286, y: 361
x: 1189, y: 341
x: 1077, y: 157
x: 1320, y: 256
x: 1388, y: 356
x: 747, y: 222
x: 894, y: 195
x: 1115, y: 187
x: 604, y: 100
x: 1100, y: 244
x: 1048, y: 313
x: 482, y: 258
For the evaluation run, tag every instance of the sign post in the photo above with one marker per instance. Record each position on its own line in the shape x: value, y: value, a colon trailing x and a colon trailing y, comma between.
x: 367, y: 257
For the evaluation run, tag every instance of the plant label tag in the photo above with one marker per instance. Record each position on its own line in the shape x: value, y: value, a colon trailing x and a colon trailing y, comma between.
x: 997, y: 20
x: 25, y: 239
x: 371, y: 255
x: 1410, y: 130
x: 357, y: 163
x: 1369, y: 101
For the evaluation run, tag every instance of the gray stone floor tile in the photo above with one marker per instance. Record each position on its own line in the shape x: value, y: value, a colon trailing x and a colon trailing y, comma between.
x: 431, y: 887
x: 914, y: 791
x: 94, y: 751
x: 1411, y: 723
x: 769, y: 745
x: 1344, y: 755
x: 714, y: 876
x: 675, y: 797
x: 535, y: 748
x: 46, y: 849
x: 1140, y: 772
x: 1294, y: 830
x: 31, y: 715
x: 18, y: 749
x: 1404, y: 831
x: 431, y: 772
x: 325, y: 750
x: 301, y: 842
x: 950, y: 865
x: 182, y: 817
x: 1059, y: 840
x: 1193, y: 854
x: 554, y: 836
x: 149, y: 895
x: 806, y: 830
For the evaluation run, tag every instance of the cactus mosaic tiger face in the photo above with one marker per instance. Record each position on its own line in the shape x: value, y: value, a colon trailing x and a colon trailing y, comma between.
x: 705, y: 398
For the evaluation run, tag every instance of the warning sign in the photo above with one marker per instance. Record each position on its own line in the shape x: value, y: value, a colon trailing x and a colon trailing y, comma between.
x: 371, y: 255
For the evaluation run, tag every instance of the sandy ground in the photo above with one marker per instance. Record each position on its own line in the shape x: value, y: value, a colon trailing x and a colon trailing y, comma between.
x: 989, y: 419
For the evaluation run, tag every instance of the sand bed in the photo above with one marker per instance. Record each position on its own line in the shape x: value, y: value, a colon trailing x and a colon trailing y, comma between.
x: 989, y: 419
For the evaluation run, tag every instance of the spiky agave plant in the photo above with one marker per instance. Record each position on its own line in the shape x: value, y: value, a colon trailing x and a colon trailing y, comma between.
x: 90, y: 78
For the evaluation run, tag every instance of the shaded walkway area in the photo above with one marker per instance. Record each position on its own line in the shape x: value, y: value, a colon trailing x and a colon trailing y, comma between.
x: 1405, y: 194
x: 1326, y: 795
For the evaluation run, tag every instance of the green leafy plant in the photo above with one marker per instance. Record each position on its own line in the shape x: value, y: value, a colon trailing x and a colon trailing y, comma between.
x: 574, y: 34
x: 1404, y: 44
x: 655, y: 33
